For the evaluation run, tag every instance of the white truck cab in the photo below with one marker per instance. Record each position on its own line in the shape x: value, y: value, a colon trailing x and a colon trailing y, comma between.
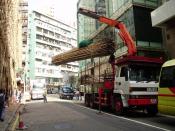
x: 136, y: 83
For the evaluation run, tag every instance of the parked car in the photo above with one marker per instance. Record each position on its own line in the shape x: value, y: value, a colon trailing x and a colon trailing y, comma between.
x: 66, y: 92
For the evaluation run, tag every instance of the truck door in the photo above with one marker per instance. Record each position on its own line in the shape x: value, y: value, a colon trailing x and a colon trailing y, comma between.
x: 121, y: 82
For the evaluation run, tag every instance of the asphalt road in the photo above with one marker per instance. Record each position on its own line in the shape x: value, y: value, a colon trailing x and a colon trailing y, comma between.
x: 60, y: 115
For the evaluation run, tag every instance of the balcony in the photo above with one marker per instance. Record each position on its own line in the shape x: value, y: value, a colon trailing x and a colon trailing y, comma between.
x: 24, y: 3
x: 164, y: 14
x: 54, y: 75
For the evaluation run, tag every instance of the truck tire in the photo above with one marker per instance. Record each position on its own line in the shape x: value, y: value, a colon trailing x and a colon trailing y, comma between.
x: 152, y: 110
x: 118, y: 106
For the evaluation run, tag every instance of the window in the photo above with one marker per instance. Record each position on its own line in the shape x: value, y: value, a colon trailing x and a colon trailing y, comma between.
x: 51, y: 33
x: 167, y: 77
x: 43, y: 70
x: 63, y: 65
x: 68, y: 66
x: 45, y: 38
x: 39, y: 70
x: 124, y: 73
x: 57, y: 35
x: 68, y: 39
x: 45, y: 31
x: 144, y: 73
x: 39, y: 37
x: 37, y: 15
x: 39, y: 29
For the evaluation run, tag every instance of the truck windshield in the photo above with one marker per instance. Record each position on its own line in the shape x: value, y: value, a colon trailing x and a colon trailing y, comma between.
x: 144, y: 73
x: 167, y: 77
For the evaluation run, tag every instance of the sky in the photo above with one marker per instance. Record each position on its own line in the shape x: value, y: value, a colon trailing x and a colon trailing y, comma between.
x: 65, y: 10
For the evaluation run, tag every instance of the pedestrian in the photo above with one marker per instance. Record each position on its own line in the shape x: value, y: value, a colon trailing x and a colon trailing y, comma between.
x: 2, y: 105
x: 19, y: 96
x: 77, y: 94
x: 81, y: 95
x: 45, y: 96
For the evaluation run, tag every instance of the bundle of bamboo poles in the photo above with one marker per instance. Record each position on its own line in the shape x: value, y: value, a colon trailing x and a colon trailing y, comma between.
x: 97, y: 49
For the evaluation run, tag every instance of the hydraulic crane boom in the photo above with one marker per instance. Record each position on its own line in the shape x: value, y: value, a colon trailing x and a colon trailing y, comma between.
x: 123, y: 33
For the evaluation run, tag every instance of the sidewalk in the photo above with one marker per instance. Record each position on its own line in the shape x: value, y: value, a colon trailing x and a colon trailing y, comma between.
x: 10, y: 117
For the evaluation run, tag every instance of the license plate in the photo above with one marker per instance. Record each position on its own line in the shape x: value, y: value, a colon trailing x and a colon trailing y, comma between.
x: 151, y: 89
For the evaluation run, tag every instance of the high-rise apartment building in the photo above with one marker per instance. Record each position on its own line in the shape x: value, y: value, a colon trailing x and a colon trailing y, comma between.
x: 48, y: 37
x: 24, y: 19
x: 23, y: 9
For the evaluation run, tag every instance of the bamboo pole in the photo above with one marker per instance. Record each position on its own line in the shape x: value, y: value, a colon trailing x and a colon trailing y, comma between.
x: 98, y: 49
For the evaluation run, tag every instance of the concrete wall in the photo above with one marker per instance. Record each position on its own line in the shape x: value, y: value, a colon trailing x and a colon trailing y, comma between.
x: 164, y: 17
x: 163, y: 13
x: 170, y: 42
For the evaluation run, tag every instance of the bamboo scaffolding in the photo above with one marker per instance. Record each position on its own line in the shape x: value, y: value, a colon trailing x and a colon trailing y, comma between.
x: 98, y: 49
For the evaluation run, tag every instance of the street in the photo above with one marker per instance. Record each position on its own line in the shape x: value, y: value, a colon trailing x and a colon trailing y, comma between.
x: 69, y: 115
x: 118, y: 54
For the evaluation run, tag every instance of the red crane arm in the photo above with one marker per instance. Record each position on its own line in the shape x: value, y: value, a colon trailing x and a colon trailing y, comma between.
x: 123, y: 32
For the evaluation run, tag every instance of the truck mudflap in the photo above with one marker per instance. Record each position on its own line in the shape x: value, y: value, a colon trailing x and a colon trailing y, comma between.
x: 142, y: 102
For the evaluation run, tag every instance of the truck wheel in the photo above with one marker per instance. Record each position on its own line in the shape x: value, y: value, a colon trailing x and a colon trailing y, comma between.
x: 152, y: 110
x: 118, y: 106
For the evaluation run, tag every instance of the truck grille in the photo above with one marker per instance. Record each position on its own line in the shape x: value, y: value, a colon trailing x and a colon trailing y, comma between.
x: 143, y: 96
x: 147, y: 89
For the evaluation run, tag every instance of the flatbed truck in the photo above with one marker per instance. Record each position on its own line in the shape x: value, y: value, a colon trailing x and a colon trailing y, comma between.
x: 130, y: 83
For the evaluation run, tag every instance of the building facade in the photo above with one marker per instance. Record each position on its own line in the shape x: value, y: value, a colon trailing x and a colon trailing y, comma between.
x: 135, y: 14
x: 10, y: 44
x: 21, y: 71
x: 48, y: 37
x: 164, y: 17
x: 24, y: 19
